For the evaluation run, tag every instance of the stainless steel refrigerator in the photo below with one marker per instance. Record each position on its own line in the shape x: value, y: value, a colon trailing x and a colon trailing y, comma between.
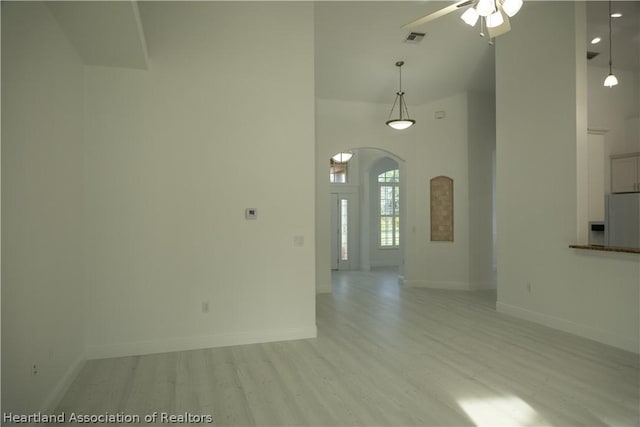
x: 622, y: 218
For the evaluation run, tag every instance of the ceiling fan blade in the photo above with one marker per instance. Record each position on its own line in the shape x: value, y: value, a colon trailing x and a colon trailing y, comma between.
x: 435, y: 15
x: 505, y: 27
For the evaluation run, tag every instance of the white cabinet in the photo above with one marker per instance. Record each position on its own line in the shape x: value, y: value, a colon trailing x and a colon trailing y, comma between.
x: 625, y: 173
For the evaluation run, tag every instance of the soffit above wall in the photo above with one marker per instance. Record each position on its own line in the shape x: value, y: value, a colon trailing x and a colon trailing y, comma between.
x: 107, y: 33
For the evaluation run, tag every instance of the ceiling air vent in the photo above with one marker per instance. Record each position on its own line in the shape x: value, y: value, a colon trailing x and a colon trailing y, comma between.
x: 591, y: 55
x: 414, y: 37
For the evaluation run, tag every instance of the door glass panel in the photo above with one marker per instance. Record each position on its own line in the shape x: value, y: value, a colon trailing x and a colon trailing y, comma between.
x: 344, y: 230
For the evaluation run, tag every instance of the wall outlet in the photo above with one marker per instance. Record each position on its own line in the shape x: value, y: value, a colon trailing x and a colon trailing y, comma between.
x: 205, y: 306
x: 34, y: 369
x: 298, y: 241
x: 529, y: 287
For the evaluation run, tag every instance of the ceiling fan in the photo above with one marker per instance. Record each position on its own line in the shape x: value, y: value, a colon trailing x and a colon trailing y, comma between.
x: 493, y: 15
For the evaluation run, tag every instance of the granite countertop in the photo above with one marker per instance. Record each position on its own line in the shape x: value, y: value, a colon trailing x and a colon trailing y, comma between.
x: 607, y: 248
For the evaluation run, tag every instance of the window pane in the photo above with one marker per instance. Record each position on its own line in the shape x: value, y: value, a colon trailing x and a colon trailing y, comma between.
x: 389, y: 176
x: 386, y: 231
x: 389, y: 208
x: 386, y: 200
x: 337, y: 172
x: 396, y: 201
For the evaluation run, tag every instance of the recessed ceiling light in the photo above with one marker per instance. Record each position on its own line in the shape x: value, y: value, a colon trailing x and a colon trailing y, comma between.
x: 616, y: 15
x: 596, y: 40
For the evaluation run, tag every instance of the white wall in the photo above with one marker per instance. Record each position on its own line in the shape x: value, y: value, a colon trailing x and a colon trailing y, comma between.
x: 42, y: 293
x: 481, y: 145
x: 223, y: 120
x: 541, y: 118
x: 442, y: 149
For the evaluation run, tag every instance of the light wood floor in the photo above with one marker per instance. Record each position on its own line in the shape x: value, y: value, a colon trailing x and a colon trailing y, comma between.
x: 385, y: 355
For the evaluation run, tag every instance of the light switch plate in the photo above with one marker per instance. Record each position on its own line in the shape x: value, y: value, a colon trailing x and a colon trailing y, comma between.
x: 251, y: 213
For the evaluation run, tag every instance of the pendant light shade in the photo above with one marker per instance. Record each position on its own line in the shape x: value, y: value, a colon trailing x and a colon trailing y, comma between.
x: 495, y: 20
x: 486, y: 7
x: 403, y: 121
x: 511, y: 7
x: 470, y: 16
x: 400, y: 124
x: 611, y: 80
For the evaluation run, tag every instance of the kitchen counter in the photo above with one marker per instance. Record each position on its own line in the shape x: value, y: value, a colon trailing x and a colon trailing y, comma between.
x: 607, y: 248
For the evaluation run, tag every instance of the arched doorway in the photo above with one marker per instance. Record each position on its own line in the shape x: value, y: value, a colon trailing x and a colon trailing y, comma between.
x: 368, y: 211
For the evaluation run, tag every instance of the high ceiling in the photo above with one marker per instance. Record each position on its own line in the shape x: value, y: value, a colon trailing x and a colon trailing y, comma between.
x: 358, y: 43
x: 625, y: 33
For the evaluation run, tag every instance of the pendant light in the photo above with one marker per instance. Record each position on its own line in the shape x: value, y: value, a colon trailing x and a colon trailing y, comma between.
x: 611, y: 80
x: 403, y: 121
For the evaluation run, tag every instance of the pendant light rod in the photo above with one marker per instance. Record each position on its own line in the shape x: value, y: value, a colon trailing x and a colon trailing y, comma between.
x: 400, y: 93
x: 610, y: 42
x: 403, y: 121
x: 399, y: 64
x: 611, y: 80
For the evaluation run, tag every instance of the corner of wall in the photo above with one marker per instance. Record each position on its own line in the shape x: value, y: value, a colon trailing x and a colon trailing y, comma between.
x: 55, y: 396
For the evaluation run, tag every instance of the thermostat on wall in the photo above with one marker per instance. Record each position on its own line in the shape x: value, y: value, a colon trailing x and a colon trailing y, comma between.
x: 251, y: 213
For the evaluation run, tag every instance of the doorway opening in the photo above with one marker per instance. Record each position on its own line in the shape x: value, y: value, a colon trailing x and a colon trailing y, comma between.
x: 367, y: 211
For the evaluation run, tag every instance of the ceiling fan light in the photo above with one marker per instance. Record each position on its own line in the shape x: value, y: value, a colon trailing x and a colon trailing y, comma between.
x: 495, y: 20
x: 611, y: 80
x: 400, y: 124
x: 485, y: 7
x: 470, y: 16
x: 511, y: 7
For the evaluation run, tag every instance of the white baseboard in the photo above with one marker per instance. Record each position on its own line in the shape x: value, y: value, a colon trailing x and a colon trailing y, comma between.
x: 625, y: 343
x: 482, y: 286
x: 198, y: 342
x: 434, y: 284
x: 58, y: 392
